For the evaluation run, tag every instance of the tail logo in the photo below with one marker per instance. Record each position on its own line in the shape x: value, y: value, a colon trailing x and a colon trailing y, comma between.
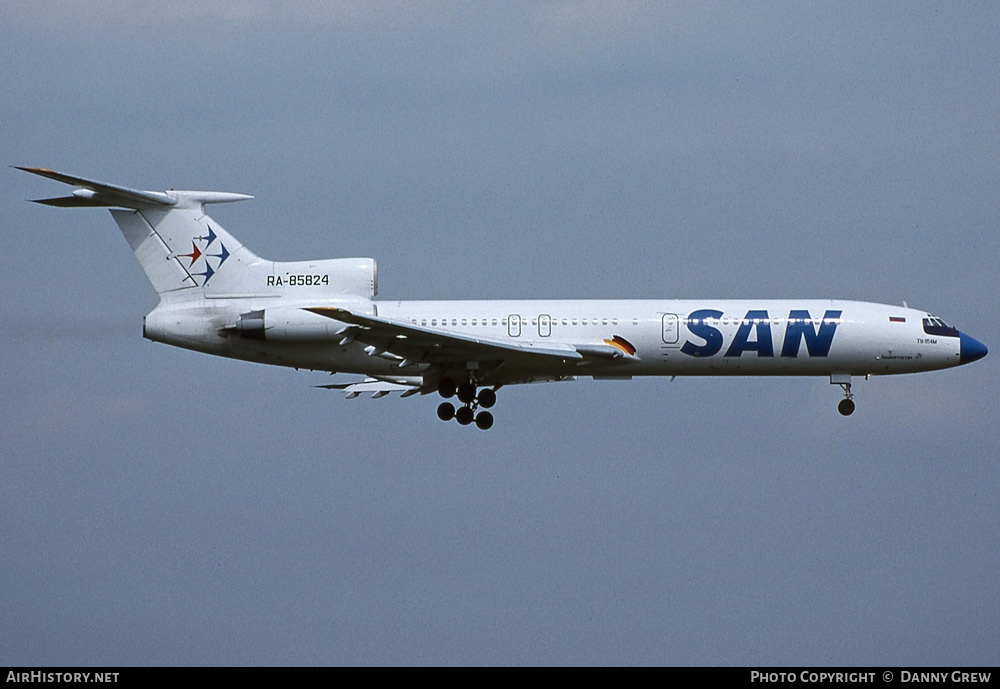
x: 197, y: 253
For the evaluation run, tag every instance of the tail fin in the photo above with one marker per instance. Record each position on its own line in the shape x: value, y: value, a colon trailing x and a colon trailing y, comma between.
x: 186, y: 254
x: 177, y: 244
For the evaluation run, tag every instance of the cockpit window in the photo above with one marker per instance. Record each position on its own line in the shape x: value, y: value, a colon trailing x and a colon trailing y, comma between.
x: 936, y: 326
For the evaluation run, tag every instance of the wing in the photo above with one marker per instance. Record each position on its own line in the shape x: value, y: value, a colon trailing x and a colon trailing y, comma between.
x: 412, y: 344
x: 422, y: 344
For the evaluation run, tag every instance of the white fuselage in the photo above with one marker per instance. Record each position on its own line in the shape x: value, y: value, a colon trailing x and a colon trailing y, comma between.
x: 670, y: 337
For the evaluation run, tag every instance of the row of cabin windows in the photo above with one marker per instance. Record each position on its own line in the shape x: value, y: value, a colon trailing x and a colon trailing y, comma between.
x: 524, y: 321
x: 757, y: 321
x: 614, y: 321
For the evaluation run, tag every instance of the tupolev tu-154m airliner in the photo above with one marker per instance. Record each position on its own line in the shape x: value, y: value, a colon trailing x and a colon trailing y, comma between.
x: 217, y: 297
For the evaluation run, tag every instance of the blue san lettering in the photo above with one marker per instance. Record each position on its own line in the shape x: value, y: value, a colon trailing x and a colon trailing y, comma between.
x: 800, y: 325
x: 698, y: 326
x: 763, y: 345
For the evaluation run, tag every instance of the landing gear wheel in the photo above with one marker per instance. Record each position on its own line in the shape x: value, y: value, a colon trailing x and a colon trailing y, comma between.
x: 484, y: 420
x: 464, y: 416
x: 846, y: 406
x: 467, y: 393
x: 446, y: 388
x: 487, y: 398
x: 446, y: 411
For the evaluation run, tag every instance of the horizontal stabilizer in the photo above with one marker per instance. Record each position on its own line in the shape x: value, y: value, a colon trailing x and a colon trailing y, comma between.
x: 94, y: 193
x: 74, y: 202
x: 91, y: 193
x: 378, y: 388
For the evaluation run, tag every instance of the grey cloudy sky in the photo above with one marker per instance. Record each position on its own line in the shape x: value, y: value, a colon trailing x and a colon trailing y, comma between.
x: 159, y: 506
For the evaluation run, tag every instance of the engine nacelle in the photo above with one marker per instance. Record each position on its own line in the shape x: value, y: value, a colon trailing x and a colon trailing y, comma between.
x: 289, y: 324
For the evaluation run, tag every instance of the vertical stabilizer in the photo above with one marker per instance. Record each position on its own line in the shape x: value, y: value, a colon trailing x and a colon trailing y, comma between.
x: 179, y: 247
x: 187, y: 255
x: 183, y: 248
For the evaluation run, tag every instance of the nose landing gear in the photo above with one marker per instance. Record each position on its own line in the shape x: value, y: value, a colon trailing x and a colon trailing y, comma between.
x: 846, y: 406
x: 466, y: 393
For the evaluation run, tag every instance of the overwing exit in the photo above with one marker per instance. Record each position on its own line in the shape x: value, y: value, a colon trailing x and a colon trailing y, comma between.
x: 217, y: 297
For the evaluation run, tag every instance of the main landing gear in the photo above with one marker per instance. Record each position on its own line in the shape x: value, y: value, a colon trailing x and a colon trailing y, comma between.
x: 846, y: 406
x: 466, y: 414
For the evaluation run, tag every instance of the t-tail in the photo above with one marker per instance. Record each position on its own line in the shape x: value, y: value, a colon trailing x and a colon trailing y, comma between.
x: 179, y: 247
x: 187, y: 254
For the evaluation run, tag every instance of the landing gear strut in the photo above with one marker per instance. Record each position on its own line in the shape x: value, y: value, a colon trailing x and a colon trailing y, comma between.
x: 466, y: 414
x: 846, y: 406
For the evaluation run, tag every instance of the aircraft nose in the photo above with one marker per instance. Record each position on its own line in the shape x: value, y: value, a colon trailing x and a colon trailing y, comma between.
x: 971, y: 349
